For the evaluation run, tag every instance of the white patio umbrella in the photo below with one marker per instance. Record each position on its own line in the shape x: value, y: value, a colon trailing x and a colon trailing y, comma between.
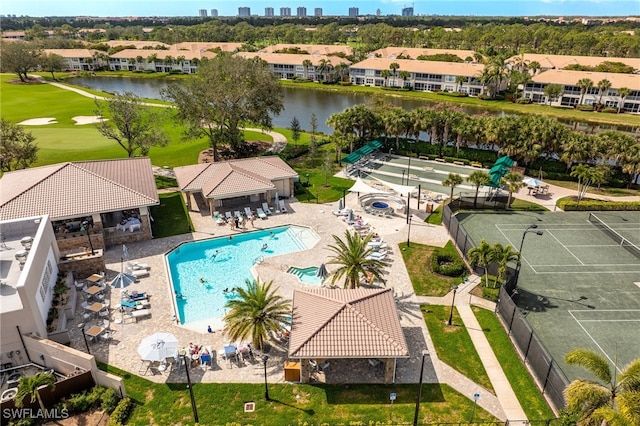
x: 158, y: 347
x: 277, y: 201
x: 531, y: 182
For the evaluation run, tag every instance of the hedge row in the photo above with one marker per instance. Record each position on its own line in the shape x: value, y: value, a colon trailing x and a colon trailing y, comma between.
x: 569, y: 204
x: 121, y: 413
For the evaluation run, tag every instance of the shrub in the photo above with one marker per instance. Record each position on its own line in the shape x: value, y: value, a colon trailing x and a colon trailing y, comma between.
x: 447, y: 263
x: 98, y: 396
x: 120, y: 415
x: 588, y: 204
x: 175, y: 72
x: 584, y: 107
x: 110, y: 400
x: 454, y: 94
x: 523, y: 101
x: 610, y: 110
x: 491, y: 294
x: 452, y: 159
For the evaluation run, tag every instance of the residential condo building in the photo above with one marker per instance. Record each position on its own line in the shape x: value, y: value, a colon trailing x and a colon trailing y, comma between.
x: 407, y: 11
x: 214, y: 13
x: 354, y: 11
x: 317, y: 11
x: 301, y: 12
x: 244, y: 12
x: 268, y: 11
x: 202, y: 13
x: 285, y: 11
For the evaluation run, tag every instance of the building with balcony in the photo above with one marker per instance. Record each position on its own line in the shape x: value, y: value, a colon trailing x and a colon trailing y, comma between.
x: 317, y: 12
x: 80, y: 59
x: 185, y: 61
x: 558, y: 62
x: 214, y: 13
x: 268, y: 11
x: 571, y: 94
x: 427, y: 76
x: 354, y: 12
x: 407, y: 11
x: 301, y: 12
x: 289, y: 66
x: 311, y: 49
x: 202, y: 13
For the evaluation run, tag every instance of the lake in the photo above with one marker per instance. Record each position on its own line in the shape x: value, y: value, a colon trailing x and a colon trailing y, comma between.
x: 300, y: 103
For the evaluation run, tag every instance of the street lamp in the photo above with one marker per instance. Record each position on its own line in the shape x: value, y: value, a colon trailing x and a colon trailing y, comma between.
x: 454, y: 288
x: 402, y: 183
x: 409, y: 231
x: 265, y: 358
x: 190, y: 386
x: 415, y: 416
x: 409, y: 163
x: 344, y: 198
x: 530, y: 228
x: 475, y: 402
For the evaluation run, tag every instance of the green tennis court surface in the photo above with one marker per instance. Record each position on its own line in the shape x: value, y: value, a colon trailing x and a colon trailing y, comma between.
x: 580, y: 281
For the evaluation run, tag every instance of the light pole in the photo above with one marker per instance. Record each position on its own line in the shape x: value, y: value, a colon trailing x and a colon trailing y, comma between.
x: 454, y: 288
x: 415, y: 416
x: 409, y: 231
x: 409, y: 163
x: 344, y: 198
x: 190, y: 386
x: 530, y: 228
x: 402, y: 182
x: 265, y: 358
x: 475, y: 402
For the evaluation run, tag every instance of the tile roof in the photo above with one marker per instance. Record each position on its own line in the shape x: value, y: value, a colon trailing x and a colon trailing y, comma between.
x: 78, y: 188
x: 334, y: 323
x: 72, y: 53
x: 138, y: 44
x: 433, y: 67
x: 312, y: 49
x: 161, y: 54
x: 233, y: 178
x: 414, y: 52
x: 293, y: 58
x: 561, y: 61
x: 570, y: 78
x: 203, y: 45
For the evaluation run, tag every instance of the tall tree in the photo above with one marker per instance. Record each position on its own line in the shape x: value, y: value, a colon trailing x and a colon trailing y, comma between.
x: 385, y: 74
x: 17, y: 147
x: 502, y: 255
x: 19, y: 58
x: 478, y: 179
x: 513, y: 182
x: 404, y: 75
x: 51, y: 62
x: 584, y: 84
x: 130, y: 123
x: 257, y: 314
x: 29, y: 385
x: 460, y: 80
x: 452, y: 180
x: 227, y: 92
x: 585, y: 175
x: 482, y: 255
x: 295, y: 130
x: 306, y: 64
x: 553, y: 91
x: 352, y: 255
x: 623, y: 92
x: 611, y: 400
x: 603, y: 86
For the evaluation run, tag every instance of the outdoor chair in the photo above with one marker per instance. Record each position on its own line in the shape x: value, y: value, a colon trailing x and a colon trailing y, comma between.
x: 228, y: 216
x: 266, y: 208
x: 237, y: 214
x: 283, y: 208
x: 247, y: 211
x: 219, y: 220
x: 261, y: 213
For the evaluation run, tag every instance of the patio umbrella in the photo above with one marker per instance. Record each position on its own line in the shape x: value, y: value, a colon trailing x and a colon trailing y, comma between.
x: 158, y: 347
x: 340, y: 204
x: 125, y: 252
x: 277, y: 202
x: 351, y: 217
x: 531, y: 182
x: 322, y: 271
x: 122, y: 280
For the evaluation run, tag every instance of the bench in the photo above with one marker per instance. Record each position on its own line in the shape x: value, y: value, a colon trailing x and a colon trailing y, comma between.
x: 423, y: 157
x: 440, y: 160
x: 458, y: 163
x: 141, y: 313
x: 476, y: 164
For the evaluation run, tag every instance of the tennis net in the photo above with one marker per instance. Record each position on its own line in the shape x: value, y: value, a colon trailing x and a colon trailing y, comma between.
x: 614, y: 235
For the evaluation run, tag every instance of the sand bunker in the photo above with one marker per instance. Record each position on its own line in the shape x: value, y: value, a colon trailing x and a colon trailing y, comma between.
x: 38, y: 121
x: 87, y: 119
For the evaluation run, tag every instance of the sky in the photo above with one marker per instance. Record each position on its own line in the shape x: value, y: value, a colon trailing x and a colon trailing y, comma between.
x: 330, y: 7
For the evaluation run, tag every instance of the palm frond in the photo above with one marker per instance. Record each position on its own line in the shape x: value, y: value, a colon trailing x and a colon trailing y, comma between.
x: 585, y: 397
x: 629, y: 379
x: 609, y: 416
x: 628, y: 404
x: 591, y: 361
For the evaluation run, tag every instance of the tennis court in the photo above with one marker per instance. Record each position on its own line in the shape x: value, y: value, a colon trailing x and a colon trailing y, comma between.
x: 580, y: 280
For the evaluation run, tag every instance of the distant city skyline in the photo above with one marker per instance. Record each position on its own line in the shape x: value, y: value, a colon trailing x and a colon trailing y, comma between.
x: 114, y: 8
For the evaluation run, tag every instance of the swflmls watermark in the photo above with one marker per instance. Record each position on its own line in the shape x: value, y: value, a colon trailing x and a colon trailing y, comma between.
x: 29, y: 413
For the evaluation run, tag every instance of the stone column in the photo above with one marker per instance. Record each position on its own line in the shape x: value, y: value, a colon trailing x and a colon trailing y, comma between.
x: 305, y: 371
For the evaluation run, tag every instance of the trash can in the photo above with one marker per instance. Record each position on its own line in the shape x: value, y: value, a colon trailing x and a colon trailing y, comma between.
x: 429, y: 207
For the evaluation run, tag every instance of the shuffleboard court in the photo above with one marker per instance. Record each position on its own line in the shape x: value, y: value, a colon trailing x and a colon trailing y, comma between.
x: 577, y: 282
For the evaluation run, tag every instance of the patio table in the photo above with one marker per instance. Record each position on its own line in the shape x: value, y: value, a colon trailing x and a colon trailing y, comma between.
x: 93, y: 290
x: 94, y: 332
x: 96, y: 307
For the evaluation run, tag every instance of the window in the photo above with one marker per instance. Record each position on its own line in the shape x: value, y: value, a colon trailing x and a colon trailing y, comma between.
x: 450, y: 78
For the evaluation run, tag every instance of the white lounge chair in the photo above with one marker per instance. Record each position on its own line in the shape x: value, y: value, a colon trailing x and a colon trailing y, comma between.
x: 266, y: 208
x: 247, y: 211
x: 219, y: 220
x: 283, y: 208
x: 138, y: 273
x: 141, y: 313
x: 228, y: 215
x: 237, y: 214
x: 261, y: 213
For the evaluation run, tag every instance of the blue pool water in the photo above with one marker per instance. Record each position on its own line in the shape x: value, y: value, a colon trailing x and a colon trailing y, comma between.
x: 200, y: 271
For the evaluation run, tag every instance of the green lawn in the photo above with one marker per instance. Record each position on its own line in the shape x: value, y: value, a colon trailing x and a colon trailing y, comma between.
x: 613, y: 192
x: 425, y: 282
x: 453, y: 344
x: 531, y: 400
x: 170, y: 217
x: 292, y: 404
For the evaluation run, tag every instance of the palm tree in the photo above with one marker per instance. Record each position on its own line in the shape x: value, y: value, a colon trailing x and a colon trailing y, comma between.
x: 351, y: 254
x: 502, y: 255
x: 394, y: 68
x: 306, y: 64
x: 513, y: 181
x: 612, y: 400
x: 623, y: 92
x: 139, y: 61
x: 29, y: 385
x: 534, y: 66
x: 460, y: 80
x: 584, y: 84
x: 603, y: 86
x: 478, y: 178
x: 481, y: 256
x: 453, y: 180
x: 257, y: 314
x: 385, y: 74
x: 404, y: 75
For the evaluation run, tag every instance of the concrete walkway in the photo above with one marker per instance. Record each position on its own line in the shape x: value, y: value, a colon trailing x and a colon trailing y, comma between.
x: 505, y: 397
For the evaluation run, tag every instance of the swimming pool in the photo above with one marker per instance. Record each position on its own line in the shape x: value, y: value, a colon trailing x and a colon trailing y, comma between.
x: 307, y: 275
x: 201, y: 271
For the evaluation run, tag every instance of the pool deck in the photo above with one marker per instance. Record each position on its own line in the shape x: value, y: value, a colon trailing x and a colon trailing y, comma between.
x: 121, y: 350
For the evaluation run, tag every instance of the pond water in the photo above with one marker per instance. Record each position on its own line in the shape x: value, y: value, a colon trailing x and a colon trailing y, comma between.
x: 300, y: 103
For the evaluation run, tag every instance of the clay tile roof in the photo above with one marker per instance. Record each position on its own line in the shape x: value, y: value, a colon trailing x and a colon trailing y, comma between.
x: 233, y: 178
x: 78, y: 189
x: 359, y: 323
